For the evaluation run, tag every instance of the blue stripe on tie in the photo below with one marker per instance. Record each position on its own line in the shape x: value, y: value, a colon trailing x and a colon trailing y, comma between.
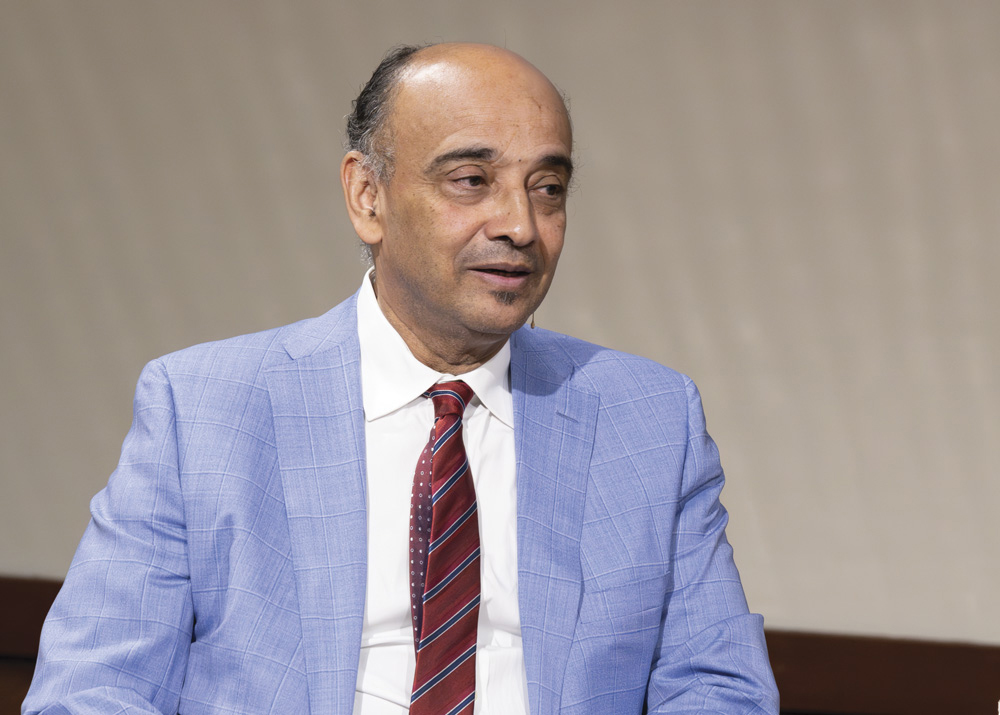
x: 450, y: 483
x: 448, y: 434
x: 448, y: 624
x: 451, y: 577
x: 442, y: 675
x: 462, y: 705
x: 441, y: 393
x: 451, y: 529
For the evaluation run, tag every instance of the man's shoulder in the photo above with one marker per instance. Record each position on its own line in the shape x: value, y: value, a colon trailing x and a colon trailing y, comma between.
x: 599, y: 367
x: 255, y: 352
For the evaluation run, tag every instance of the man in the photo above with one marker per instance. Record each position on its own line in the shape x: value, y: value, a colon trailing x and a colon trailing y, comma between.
x: 259, y: 548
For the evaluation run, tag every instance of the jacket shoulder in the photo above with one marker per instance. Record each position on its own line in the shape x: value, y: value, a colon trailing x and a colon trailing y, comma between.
x: 246, y: 356
x: 601, y: 368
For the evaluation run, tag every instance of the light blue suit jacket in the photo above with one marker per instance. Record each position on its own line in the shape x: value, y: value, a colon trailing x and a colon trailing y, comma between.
x: 223, y: 570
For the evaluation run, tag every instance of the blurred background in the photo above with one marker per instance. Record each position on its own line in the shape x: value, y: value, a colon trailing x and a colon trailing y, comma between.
x: 795, y: 203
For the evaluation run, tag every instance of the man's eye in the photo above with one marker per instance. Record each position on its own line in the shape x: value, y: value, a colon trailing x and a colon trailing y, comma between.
x: 473, y: 180
x: 552, y: 190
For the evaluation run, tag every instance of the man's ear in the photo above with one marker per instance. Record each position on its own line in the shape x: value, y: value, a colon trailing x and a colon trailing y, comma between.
x: 361, y: 194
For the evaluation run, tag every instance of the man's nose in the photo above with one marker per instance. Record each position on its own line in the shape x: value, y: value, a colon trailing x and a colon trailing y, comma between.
x: 514, y: 218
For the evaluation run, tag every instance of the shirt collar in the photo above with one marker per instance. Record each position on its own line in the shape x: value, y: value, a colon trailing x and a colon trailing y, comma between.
x: 391, y: 377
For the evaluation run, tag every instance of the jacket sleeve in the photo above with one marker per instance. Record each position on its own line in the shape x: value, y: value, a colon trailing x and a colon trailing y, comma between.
x: 117, y: 637
x: 711, y: 656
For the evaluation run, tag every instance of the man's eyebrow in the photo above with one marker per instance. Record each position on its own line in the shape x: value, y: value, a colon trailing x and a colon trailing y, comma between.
x: 472, y: 153
x: 560, y: 161
x: 482, y: 153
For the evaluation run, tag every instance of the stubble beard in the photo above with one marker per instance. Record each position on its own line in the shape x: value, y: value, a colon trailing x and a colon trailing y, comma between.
x: 506, y: 297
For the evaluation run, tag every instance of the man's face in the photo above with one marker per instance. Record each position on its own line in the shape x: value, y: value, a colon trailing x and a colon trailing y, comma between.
x: 472, y: 219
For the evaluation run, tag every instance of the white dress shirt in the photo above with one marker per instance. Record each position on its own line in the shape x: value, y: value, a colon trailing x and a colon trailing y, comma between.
x: 398, y: 421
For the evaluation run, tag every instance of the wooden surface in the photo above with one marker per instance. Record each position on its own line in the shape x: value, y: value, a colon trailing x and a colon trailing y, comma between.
x: 881, y: 676
x: 23, y: 603
x: 15, y: 677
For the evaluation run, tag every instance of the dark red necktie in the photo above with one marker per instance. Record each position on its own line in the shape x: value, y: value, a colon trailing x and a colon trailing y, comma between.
x: 444, y: 563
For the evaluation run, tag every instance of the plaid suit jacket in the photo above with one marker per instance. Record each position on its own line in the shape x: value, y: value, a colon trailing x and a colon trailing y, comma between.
x: 223, y: 570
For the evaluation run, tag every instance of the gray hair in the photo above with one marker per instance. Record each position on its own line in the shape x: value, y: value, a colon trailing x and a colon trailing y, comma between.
x: 367, y: 124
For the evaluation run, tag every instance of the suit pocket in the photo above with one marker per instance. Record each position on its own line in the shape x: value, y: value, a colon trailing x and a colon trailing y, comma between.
x: 625, y: 607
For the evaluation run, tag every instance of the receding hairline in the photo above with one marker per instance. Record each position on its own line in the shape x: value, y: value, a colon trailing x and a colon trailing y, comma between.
x: 466, y: 54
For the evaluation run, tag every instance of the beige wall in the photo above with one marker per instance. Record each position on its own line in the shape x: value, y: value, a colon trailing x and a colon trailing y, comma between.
x: 797, y: 203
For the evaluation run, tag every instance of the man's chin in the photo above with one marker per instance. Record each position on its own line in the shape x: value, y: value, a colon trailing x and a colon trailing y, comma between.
x: 502, y: 322
x: 499, y: 313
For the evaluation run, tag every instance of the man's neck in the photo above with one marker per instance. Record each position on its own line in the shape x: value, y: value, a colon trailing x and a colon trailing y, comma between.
x: 443, y: 354
x: 452, y: 355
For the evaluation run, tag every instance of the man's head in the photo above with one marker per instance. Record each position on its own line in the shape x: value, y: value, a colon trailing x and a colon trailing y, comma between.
x: 464, y: 201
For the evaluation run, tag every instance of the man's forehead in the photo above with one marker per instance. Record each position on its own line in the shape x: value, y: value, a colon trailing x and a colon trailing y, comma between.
x: 440, y: 140
x: 484, y: 96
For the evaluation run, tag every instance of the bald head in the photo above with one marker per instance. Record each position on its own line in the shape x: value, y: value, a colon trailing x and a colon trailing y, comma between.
x: 439, y: 68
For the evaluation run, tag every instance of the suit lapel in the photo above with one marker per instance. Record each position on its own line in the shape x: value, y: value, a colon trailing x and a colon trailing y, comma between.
x: 319, y: 429
x: 554, y: 422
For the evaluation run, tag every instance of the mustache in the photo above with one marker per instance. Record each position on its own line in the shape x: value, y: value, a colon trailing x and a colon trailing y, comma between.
x: 511, y: 257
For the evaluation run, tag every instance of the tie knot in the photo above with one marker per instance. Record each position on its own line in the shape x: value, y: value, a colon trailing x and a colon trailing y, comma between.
x: 450, y: 398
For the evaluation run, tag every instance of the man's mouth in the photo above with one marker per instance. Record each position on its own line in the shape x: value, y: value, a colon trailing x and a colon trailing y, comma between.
x: 504, y: 277
x: 505, y: 272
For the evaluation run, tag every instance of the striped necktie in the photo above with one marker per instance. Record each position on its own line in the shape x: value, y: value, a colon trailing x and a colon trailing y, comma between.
x: 444, y: 563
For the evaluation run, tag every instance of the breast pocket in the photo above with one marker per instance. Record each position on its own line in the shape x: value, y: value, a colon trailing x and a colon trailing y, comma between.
x: 625, y: 608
